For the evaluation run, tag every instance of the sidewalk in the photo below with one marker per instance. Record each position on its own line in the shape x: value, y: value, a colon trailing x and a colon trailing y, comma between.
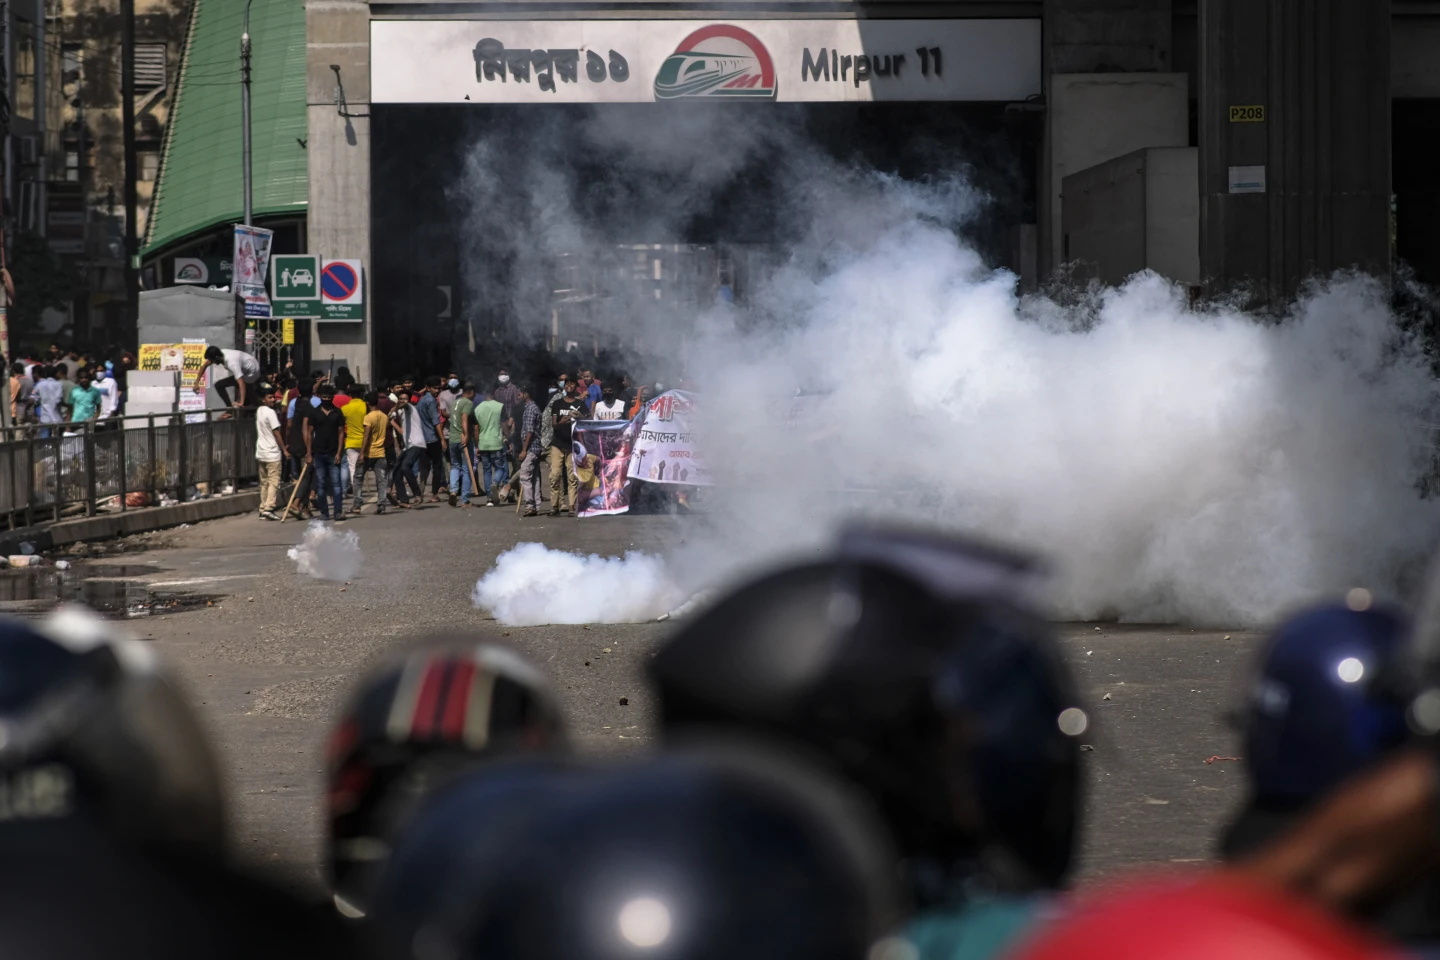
x: 119, y: 523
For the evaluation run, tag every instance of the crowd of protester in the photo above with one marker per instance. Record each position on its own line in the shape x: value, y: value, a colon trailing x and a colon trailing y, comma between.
x: 874, y: 753
x: 67, y: 389
x: 350, y: 445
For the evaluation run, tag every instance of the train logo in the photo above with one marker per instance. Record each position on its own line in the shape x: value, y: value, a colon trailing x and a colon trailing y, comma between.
x: 718, y: 61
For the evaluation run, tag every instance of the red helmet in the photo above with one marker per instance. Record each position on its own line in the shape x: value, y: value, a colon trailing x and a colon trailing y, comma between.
x: 410, y: 727
x: 1218, y: 918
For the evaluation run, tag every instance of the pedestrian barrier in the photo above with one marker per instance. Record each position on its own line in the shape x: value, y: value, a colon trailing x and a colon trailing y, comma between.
x: 52, y: 470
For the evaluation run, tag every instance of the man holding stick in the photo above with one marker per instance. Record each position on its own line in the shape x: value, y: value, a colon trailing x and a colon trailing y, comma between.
x: 462, y: 445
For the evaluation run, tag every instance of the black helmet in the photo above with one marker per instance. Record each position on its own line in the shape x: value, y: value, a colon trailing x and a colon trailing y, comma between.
x: 410, y: 727
x: 720, y: 854
x: 913, y: 667
x: 91, y: 730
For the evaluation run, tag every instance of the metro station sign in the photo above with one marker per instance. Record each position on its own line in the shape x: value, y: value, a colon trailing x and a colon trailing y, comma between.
x: 637, y: 61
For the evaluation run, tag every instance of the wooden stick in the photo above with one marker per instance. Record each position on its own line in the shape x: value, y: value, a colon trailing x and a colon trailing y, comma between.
x: 470, y: 465
x: 298, y: 480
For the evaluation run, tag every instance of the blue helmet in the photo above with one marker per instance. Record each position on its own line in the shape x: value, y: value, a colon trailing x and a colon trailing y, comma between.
x: 1315, y: 716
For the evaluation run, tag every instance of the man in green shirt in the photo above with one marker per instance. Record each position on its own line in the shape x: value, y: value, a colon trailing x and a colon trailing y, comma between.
x: 84, y: 399
x: 491, y: 443
x: 462, y: 443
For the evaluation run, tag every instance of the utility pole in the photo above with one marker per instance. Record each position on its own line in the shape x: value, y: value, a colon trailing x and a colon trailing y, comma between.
x: 245, y: 109
x: 127, y: 120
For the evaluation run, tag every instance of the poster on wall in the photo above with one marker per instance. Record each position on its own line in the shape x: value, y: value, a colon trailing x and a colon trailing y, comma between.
x: 645, y: 61
x: 185, y: 358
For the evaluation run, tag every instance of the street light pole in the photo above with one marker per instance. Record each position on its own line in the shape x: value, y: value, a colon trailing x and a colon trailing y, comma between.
x: 245, y: 108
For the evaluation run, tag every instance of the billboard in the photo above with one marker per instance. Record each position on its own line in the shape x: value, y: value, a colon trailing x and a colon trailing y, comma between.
x: 640, y: 61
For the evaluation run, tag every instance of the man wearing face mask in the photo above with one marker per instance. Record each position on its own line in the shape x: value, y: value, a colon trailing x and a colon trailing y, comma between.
x: 509, y: 396
x: 565, y: 409
x: 610, y: 406
x: 324, y: 450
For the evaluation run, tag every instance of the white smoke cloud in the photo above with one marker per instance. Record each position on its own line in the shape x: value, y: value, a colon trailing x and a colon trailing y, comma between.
x: 1175, y: 462
x: 328, y: 554
x: 531, y: 584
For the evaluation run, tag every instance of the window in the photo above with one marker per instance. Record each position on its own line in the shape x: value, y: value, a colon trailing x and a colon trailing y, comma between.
x: 149, y: 163
x: 72, y: 165
x: 149, y: 67
x: 73, y: 60
x: 26, y: 59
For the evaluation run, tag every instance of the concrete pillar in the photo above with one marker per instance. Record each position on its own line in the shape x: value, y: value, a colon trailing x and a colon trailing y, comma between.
x: 1321, y: 156
x: 338, y: 35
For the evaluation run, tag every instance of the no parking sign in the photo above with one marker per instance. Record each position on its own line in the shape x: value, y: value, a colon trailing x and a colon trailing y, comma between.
x: 342, y: 290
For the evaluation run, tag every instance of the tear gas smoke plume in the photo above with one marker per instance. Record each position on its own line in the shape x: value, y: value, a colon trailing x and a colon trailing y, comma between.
x: 328, y: 554
x: 531, y: 584
x: 1175, y: 462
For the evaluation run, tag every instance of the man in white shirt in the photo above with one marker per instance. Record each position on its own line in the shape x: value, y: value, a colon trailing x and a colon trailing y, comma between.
x: 109, y: 394
x: 235, y: 369
x: 610, y: 407
x: 269, y: 449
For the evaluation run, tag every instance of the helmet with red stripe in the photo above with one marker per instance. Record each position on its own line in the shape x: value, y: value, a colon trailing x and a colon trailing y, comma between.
x: 412, y: 726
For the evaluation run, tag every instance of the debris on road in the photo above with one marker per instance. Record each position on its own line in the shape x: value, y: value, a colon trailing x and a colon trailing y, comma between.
x: 1106, y: 697
x: 1086, y: 748
x: 1213, y: 759
x: 62, y: 564
x: 624, y: 701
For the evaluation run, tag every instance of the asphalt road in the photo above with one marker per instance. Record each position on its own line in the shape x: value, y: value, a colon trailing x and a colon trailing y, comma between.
x: 268, y: 662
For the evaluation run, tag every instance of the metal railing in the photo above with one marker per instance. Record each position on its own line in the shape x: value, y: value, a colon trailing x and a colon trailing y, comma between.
x: 49, y: 470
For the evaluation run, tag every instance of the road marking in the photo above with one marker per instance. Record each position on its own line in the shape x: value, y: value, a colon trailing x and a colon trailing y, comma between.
x: 199, y: 580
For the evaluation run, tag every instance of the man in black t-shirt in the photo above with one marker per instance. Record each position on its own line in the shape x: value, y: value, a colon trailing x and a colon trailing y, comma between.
x: 564, y: 412
x: 324, y: 447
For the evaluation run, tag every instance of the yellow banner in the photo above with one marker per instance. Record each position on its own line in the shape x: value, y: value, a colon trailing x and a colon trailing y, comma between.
x: 188, y: 358
x: 287, y: 331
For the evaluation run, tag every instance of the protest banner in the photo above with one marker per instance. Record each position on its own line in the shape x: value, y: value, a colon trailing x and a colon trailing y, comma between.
x: 602, y: 456
x: 665, y: 448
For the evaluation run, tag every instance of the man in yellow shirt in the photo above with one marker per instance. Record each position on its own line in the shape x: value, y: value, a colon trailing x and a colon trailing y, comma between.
x: 375, y: 450
x: 354, y: 412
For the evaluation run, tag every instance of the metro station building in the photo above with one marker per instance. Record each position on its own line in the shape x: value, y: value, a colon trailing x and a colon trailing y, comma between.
x: 1223, y: 143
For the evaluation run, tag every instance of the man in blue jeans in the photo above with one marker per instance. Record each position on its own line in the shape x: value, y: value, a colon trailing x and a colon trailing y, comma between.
x: 490, y: 442
x: 324, y: 449
x: 462, y: 438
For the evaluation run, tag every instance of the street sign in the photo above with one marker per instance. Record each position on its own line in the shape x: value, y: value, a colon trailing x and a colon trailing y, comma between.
x: 342, y: 290
x: 295, y: 285
x: 257, y: 303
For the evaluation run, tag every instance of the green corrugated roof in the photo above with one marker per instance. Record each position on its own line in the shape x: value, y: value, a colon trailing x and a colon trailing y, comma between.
x: 200, y: 175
